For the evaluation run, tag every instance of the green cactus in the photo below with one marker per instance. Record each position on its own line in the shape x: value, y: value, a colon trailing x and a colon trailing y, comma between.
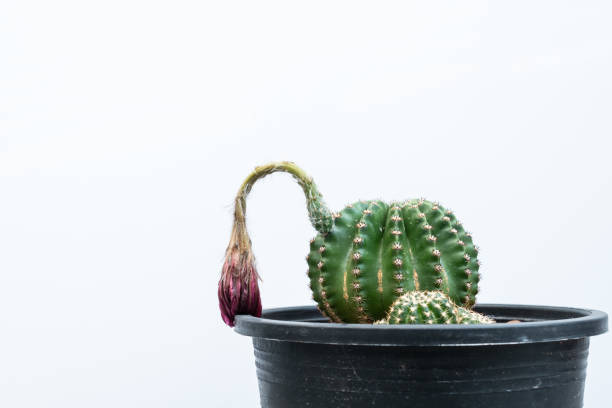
x: 376, y: 252
x: 430, y: 307
x: 364, y: 257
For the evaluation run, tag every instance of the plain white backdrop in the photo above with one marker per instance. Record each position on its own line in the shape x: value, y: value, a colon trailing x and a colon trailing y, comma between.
x: 126, y: 128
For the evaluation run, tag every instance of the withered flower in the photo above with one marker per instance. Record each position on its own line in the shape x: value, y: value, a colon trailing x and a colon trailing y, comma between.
x: 238, y: 289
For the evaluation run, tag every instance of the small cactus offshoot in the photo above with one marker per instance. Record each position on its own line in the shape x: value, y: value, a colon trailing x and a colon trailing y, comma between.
x: 430, y: 307
x: 363, y: 259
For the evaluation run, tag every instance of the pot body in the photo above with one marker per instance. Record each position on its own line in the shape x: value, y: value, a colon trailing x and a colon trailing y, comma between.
x: 549, y: 374
x: 303, y: 361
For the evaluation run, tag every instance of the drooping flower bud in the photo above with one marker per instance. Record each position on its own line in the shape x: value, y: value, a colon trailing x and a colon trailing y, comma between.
x: 238, y: 288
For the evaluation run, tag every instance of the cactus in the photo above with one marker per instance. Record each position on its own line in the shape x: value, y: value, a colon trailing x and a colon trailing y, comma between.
x: 376, y: 252
x: 363, y: 258
x: 430, y: 307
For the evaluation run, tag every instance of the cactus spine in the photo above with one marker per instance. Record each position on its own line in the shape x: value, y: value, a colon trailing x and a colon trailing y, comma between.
x: 430, y: 307
x: 363, y: 258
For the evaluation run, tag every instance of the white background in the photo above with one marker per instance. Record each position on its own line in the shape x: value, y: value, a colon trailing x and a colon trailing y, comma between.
x: 126, y: 128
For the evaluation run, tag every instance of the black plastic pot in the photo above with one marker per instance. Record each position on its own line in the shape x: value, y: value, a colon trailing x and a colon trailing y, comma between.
x: 302, y: 361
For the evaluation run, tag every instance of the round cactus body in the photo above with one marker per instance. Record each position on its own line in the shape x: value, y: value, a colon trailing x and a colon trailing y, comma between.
x: 430, y: 307
x: 375, y: 252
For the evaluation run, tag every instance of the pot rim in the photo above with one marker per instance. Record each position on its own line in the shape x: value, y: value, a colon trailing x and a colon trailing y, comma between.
x: 305, y: 324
